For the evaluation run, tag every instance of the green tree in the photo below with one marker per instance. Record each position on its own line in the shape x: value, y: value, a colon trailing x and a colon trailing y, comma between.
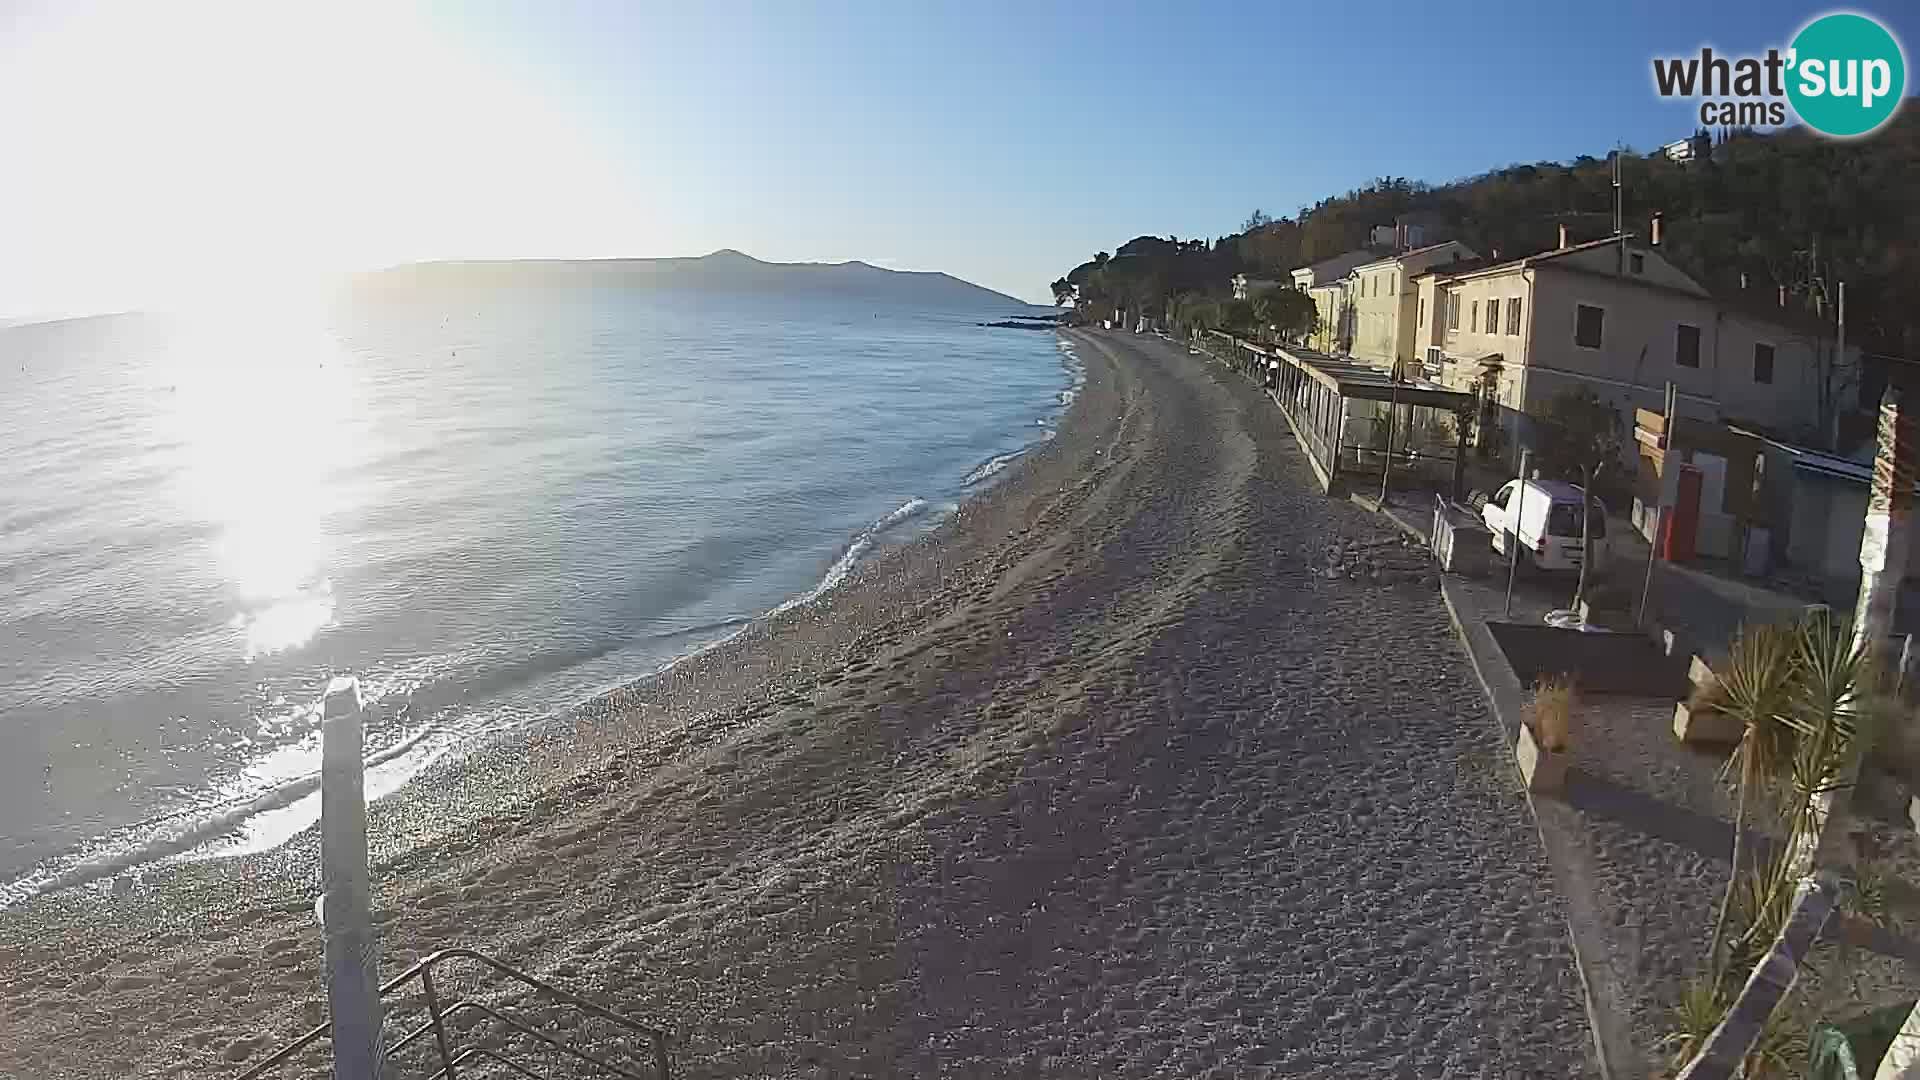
x: 1063, y: 291
x: 1236, y: 316
x: 1577, y: 431
x: 1289, y: 313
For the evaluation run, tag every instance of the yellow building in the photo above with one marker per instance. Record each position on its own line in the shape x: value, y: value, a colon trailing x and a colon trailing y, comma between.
x: 1380, y: 317
x: 1326, y: 282
x: 1617, y: 318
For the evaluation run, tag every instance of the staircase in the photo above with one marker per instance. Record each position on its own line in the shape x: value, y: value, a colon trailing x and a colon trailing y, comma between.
x: 525, y: 1027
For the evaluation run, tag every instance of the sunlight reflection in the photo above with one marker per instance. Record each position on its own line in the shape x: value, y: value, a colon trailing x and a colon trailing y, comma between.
x: 260, y: 401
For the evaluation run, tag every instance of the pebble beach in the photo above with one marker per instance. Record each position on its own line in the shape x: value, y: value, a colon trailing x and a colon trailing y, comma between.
x: 1104, y: 776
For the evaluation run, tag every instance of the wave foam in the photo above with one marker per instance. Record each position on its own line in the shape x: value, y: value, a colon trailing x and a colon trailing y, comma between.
x: 180, y: 833
x: 850, y: 558
x: 991, y: 467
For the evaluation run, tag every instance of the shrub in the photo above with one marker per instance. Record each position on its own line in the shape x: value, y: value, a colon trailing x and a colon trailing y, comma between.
x: 1554, y: 700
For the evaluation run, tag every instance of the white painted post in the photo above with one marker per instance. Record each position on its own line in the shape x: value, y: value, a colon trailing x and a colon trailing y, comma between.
x: 353, y: 983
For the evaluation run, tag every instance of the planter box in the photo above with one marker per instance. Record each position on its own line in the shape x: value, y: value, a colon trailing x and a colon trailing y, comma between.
x: 1699, y: 674
x: 1542, y: 770
x: 1705, y: 726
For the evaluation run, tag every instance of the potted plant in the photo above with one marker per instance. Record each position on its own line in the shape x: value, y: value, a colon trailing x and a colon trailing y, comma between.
x: 1546, y: 735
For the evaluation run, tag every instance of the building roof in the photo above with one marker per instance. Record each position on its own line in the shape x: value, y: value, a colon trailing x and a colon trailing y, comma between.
x: 1352, y: 380
x: 1488, y: 266
x: 1335, y: 267
x: 1382, y: 261
x: 1763, y: 304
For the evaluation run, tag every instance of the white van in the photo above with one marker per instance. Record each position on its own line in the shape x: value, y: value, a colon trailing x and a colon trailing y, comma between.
x: 1549, y: 523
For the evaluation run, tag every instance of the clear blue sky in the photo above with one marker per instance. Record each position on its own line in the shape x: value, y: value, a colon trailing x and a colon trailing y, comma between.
x: 1001, y: 143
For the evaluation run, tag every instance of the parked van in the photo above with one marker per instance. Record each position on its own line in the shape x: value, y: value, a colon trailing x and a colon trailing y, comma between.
x: 1549, y: 527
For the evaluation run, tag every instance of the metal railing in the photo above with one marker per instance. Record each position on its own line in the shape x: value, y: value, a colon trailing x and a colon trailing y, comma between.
x: 452, y: 1058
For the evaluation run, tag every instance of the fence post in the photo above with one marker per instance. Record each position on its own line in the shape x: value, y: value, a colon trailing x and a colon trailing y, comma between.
x: 353, y: 984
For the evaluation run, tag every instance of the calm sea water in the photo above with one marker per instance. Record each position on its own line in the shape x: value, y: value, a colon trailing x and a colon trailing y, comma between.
x: 483, y: 510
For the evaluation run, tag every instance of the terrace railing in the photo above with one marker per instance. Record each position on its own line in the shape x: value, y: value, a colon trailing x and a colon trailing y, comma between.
x: 479, y: 1047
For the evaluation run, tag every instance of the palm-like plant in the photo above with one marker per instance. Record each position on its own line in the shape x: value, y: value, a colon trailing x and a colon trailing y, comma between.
x: 1757, y: 688
x: 1835, y: 699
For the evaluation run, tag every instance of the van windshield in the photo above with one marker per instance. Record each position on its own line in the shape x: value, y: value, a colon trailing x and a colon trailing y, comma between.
x: 1563, y: 520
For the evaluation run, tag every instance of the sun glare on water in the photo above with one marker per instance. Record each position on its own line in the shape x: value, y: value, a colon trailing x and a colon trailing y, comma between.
x: 259, y: 400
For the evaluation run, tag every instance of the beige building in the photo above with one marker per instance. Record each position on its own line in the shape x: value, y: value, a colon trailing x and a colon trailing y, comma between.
x: 1378, y: 325
x: 1616, y: 318
x: 1326, y: 282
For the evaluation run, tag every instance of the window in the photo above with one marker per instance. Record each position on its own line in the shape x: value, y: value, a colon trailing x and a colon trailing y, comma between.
x: 1639, y: 263
x: 1421, y: 306
x: 1473, y: 321
x: 1589, y: 323
x: 1453, y: 311
x: 1513, y: 316
x: 1762, y: 363
x: 1686, y: 346
x: 1493, y: 316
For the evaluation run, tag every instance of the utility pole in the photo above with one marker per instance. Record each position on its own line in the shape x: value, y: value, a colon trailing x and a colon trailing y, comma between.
x: 1619, y: 220
x: 1393, y: 408
x: 1883, y: 560
x: 1839, y: 357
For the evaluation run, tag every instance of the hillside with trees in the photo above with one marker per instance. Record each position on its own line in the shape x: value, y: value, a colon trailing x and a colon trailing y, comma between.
x: 1788, y: 210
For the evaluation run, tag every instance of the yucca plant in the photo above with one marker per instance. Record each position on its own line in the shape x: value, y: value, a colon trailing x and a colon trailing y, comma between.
x: 1694, y: 1016
x: 1756, y: 688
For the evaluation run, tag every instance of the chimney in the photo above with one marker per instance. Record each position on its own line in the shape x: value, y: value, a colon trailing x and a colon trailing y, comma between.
x: 1563, y: 237
x: 1653, y: 232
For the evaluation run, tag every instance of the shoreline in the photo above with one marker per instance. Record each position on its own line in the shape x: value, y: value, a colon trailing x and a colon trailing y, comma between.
x: 204, y: 827
x: 1050, y: 789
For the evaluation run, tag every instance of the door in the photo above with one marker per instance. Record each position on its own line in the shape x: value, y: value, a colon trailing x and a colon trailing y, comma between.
x: 1495, y: 514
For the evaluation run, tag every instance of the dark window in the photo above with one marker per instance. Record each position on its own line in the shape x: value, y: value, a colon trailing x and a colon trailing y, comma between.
x: 1588, y: 323
x: 1513, y: 316
x: 1422, y: 305
x: 1563, y: 520
x: 1639, y: 263
x: 1473, y: 320
x: 1686, y: 346
x: 1453, y: 311
x: 1493, y: 316
x: 1763, y: 363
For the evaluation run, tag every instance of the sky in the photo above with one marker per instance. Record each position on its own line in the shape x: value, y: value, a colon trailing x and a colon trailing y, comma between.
x: 160, y: 152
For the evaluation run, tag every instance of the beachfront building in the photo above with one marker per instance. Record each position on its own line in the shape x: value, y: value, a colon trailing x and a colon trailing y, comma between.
x: 1379, y: 321
x: 1246, y: 288
x: 1615, y: 317
x: 1326, y: 283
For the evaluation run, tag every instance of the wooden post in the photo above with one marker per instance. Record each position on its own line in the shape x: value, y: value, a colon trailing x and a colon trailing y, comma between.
x: 1772, y: 977
x: 353, y: 983
x: 1660, y: 508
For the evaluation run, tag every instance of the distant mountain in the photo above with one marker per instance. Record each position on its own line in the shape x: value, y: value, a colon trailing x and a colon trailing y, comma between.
x: 723, y: 271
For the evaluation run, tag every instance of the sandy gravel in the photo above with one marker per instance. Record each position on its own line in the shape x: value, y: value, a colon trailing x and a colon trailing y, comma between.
x: 1104, y: 778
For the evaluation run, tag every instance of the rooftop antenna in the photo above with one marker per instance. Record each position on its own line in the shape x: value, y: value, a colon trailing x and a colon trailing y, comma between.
x: 1619, y: 225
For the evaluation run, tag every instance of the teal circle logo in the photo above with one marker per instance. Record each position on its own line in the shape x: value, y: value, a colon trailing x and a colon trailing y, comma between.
x: 1846, y: 75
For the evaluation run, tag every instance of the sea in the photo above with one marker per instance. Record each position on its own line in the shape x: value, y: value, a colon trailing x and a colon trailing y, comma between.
x: 484, y: 508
